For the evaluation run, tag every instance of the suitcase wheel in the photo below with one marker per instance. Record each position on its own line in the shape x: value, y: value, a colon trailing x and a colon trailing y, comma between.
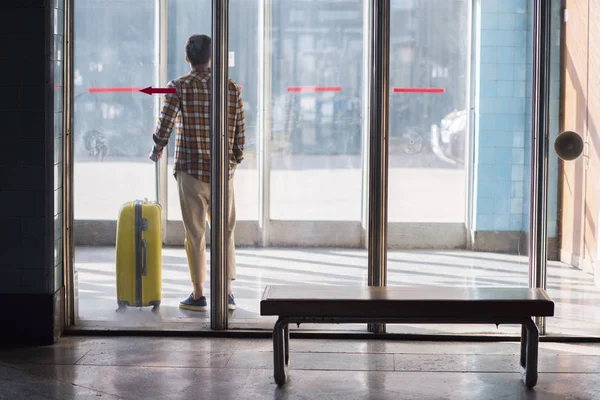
x: 155, y: 306
x: 122, y: 307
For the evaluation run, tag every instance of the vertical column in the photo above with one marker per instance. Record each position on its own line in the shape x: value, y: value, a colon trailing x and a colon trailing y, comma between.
x: 378, y: 146
x: 219, y: 165
x: 265, y: 82
x: 538, y: 225
x: 161, y: 54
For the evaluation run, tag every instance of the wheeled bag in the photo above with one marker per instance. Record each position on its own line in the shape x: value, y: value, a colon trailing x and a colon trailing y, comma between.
x: 139, y: 255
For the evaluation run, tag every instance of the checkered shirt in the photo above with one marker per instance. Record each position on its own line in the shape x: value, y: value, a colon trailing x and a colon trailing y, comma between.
x: 189, y: 111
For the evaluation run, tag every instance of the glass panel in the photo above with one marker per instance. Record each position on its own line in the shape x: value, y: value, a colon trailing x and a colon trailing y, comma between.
x: 243, y: 69
x: 114, y: 51
x: 573, y: 193
x: 190, y: 16
x: 432, y: 137
x: 428, y: 111
x: 316, y: 132
x: 114, y: 56
x: 185, y: 17
x: 316, y: 80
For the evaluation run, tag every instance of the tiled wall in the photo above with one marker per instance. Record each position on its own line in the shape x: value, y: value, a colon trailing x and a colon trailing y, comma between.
x: 503, y: 122
x: 27, y: 179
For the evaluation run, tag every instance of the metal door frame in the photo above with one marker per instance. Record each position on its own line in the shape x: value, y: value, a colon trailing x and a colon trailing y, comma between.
x: 379, y: 57
x: 219, y: 164
x: 265, y: 97
x: 70, y: 309
x: 161, y: 55
x: 540, y: 117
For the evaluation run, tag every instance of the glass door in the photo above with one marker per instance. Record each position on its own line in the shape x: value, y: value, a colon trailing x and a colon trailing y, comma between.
x: 460, y: 128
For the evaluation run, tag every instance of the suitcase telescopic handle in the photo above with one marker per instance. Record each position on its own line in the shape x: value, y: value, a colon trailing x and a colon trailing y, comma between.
x: 156, y: 179
x: 144, y: 257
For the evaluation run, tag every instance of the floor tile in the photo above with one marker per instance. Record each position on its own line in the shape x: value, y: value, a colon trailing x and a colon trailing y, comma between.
x: 315, y: 361
x: 456, y: 363
x: 156, y: 358
x: 42, y: 355
x: 16, y: 384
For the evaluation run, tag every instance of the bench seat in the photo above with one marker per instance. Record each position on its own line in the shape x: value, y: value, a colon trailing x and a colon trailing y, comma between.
x: 424, y: 304
x: 404, y: 302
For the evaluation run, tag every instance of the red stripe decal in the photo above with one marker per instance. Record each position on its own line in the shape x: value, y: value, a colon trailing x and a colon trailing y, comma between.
x: 313, y: 89
x: 419, y: 90
x: 114, y: 90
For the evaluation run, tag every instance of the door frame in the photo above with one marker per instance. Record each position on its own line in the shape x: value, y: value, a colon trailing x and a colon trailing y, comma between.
x: 70, y: 224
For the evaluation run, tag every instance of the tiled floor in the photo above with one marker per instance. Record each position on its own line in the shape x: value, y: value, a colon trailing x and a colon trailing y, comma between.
x: 577, y: 298
x: 216, y: 368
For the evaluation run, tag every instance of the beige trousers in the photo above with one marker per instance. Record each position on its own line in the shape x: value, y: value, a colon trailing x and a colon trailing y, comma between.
x: 194, y: 197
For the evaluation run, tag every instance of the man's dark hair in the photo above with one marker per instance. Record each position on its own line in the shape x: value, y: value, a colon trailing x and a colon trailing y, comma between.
x: 197, y: 49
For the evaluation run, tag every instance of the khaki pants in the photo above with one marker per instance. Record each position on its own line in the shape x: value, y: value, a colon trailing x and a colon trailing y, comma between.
x: 194, y: 197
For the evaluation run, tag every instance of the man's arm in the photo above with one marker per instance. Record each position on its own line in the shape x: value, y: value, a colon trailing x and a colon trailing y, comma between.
x: 166, y: 120
x: 240, y: 129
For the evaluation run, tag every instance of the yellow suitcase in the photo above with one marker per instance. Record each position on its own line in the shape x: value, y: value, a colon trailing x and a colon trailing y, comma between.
x: 139, y: 255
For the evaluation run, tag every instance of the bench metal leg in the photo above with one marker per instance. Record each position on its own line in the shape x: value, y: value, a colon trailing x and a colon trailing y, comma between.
x: 281, y: 350
x: 286, y: 339
x: 376, y: 328
x: 529, y: 352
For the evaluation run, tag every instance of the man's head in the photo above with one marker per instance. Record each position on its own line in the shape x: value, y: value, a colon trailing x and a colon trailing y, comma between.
x: 197, y: 50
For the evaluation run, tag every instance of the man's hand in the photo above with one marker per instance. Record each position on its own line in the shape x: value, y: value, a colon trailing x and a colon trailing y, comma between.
x: 155, y: 154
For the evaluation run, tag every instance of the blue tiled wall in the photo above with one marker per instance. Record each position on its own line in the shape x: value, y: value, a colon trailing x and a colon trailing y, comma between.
x: 503, y: 119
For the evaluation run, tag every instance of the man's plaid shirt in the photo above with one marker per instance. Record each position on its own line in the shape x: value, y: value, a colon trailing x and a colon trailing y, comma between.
x: 189, y: 111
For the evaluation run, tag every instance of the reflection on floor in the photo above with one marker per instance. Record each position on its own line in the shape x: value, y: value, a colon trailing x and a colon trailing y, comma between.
x: 577, y: 299
x: 211, y: 368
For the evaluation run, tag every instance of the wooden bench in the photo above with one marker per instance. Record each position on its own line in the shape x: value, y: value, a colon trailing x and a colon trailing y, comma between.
x: 347, y: 304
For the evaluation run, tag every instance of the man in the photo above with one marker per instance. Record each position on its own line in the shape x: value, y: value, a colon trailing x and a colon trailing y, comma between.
x: 188, y: 109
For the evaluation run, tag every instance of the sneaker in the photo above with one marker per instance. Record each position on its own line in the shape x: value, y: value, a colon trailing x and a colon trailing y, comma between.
x: 230, y: 302
x: 194, y: 304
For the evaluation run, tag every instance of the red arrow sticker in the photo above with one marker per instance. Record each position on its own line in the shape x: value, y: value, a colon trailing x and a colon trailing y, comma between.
x: 150, y: 90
